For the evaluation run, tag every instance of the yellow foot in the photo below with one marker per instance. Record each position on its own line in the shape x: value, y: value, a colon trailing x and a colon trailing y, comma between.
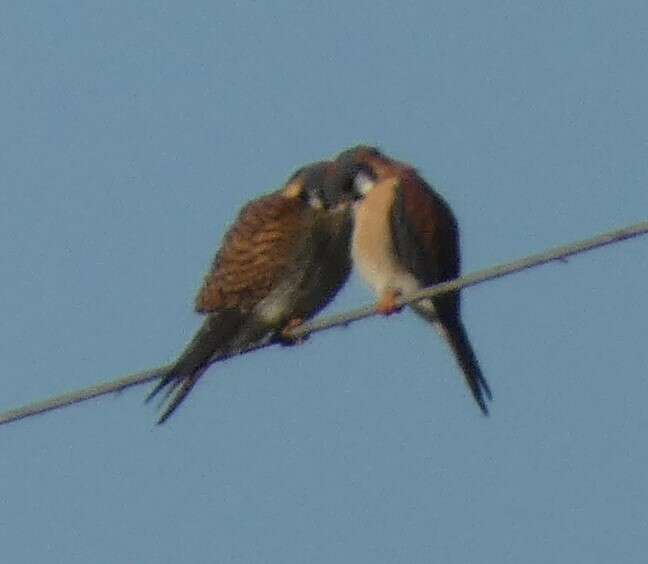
x: 386, y: 304
x: 286, y: 339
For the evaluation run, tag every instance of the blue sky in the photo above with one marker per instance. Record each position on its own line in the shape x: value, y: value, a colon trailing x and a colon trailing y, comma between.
x: 131, y: 134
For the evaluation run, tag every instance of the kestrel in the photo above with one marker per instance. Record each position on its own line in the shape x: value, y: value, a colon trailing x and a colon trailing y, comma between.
x: 405, y: 238
x: 283, y: 260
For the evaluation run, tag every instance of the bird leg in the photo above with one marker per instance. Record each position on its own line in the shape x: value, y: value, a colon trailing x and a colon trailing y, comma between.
x: 288, y: 340
x: 386, y: 304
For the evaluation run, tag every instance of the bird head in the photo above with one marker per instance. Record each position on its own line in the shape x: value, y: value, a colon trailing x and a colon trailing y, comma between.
x: 310, y: 184
x: 358, y: 169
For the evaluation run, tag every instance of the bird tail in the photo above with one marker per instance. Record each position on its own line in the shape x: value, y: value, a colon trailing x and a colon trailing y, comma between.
x: 206, y: 346
x: 455, y: 334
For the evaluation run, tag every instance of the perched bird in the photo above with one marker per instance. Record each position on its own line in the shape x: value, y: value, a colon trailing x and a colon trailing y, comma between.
x: 405, y: 238
x: 283, y: 260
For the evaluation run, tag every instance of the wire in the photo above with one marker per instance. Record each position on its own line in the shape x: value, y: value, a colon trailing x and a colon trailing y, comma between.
x: 342, y: 319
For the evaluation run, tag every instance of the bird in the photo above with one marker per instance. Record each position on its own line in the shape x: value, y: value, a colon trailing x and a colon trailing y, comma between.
x: 406, y: 237
x: 283, y: 260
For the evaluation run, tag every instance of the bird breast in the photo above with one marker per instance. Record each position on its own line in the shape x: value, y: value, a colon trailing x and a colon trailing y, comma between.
x: 372, y: 246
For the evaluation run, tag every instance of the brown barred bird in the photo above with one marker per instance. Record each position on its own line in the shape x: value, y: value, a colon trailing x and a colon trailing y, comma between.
x: 283, y: 260
x: 406, y: 238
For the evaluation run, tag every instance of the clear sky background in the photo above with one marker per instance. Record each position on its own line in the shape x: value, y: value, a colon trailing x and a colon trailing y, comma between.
x: 131, y: 133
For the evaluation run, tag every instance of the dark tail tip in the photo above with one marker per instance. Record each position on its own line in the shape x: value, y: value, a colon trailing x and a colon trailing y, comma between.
x: 181, y: 387
x: 173, y: 384
x: 479, y: 398
x: 165, y: 378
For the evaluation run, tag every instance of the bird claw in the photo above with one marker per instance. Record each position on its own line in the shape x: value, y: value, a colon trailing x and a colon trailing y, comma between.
x: 286, y: 339
x: 387, y: 304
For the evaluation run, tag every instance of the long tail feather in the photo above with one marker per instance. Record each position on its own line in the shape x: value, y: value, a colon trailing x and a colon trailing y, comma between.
x: 183, y: 387
x: 467, y: 360
x: 214, y: 338
x: 455, y: 333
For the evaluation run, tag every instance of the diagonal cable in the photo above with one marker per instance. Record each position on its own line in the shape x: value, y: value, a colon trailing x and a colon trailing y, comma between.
x: 341, y: 319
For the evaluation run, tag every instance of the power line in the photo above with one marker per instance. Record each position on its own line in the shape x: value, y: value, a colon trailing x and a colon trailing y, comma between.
x: 324, y: 323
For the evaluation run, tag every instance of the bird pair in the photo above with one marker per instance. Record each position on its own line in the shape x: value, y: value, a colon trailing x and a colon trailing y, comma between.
x: 289, y: 253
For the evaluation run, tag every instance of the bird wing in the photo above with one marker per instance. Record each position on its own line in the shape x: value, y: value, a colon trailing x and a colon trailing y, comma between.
x: 256, y: 254
x: 425, y: 232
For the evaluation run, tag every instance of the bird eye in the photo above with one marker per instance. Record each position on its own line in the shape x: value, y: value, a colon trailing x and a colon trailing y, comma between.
x: 363, y: 183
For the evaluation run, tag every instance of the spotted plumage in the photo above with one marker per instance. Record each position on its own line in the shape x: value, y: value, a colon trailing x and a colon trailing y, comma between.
x: 282, y: 261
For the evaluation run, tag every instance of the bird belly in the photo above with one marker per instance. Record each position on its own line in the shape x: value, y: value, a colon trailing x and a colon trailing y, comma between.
x: 276, y: 306
x: 372, y: 248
